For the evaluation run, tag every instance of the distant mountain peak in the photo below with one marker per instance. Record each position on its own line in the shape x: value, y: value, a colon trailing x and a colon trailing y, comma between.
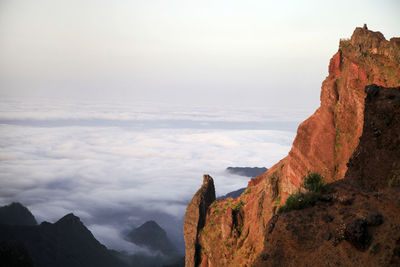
x: 151, y: 235
x: 16, y: 214
x: 16, y: 204
x: 151, y: 223
x: 70, y: 218
x: 247, y: 171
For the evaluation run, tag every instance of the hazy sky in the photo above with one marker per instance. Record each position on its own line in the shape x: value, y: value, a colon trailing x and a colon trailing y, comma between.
x: 226, y: 52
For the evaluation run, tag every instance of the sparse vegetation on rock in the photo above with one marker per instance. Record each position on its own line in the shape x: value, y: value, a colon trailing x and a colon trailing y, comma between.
x: 313, y: 182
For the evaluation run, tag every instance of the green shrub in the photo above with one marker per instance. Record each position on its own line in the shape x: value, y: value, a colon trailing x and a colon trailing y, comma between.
x: 298, y: 201
x: 248, y: 190
x: 216, y: 212
x: 237, y: 206
x: 314, y: 184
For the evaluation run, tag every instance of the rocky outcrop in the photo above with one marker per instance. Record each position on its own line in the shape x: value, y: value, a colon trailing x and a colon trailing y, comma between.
x: 326, y: 140
x: 195, y: 218
x: 324, y: 144
x: 356, y: 222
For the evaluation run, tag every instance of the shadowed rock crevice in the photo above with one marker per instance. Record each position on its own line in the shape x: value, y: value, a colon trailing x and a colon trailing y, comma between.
x: 381, y: 135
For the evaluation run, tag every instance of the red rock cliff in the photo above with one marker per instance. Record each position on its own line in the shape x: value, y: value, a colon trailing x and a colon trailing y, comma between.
x: 356, y: 221
x: 326, y: 140
x: 233, y: 230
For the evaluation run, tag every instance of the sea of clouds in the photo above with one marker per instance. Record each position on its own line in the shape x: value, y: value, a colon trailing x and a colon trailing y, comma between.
x: 118, y: 165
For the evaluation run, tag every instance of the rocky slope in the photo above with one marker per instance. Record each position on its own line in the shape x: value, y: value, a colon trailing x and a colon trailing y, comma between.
x: 324, y: 143
x: 357, y: 221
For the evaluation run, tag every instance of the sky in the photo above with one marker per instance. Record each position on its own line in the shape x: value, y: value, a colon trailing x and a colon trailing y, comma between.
x: 218, y: 52
x: 114, y: 110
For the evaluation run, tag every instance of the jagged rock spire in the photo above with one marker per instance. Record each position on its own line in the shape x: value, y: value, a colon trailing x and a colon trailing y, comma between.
x: 195, y: 219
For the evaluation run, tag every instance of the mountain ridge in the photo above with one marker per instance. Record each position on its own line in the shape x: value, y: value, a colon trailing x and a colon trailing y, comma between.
x: 64, y: 243
x: 324, y: 143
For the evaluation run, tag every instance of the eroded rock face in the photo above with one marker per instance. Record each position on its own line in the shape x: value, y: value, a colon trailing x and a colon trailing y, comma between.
x: 324, y: 144
x: 195, y: 218
x: 360, y: 232
x: 326, y: 140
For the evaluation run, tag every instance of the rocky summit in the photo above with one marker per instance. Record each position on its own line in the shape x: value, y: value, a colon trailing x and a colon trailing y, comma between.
x: 358, y: 98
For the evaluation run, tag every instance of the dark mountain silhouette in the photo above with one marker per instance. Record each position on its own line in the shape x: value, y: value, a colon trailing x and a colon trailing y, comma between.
x: 16, y: 214
x: 247, y: 171
x: 242, y: 171
x: 233, y: 194
x: 152, y: 236
x: 66, y: 243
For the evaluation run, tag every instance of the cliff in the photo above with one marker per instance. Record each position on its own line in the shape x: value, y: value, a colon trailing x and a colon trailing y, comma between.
x: 357, y: 221
x: 326, y: 140
x: 234, y: 228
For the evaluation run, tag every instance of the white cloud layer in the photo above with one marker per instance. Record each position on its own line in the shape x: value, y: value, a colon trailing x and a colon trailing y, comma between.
x: 116, y: 177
